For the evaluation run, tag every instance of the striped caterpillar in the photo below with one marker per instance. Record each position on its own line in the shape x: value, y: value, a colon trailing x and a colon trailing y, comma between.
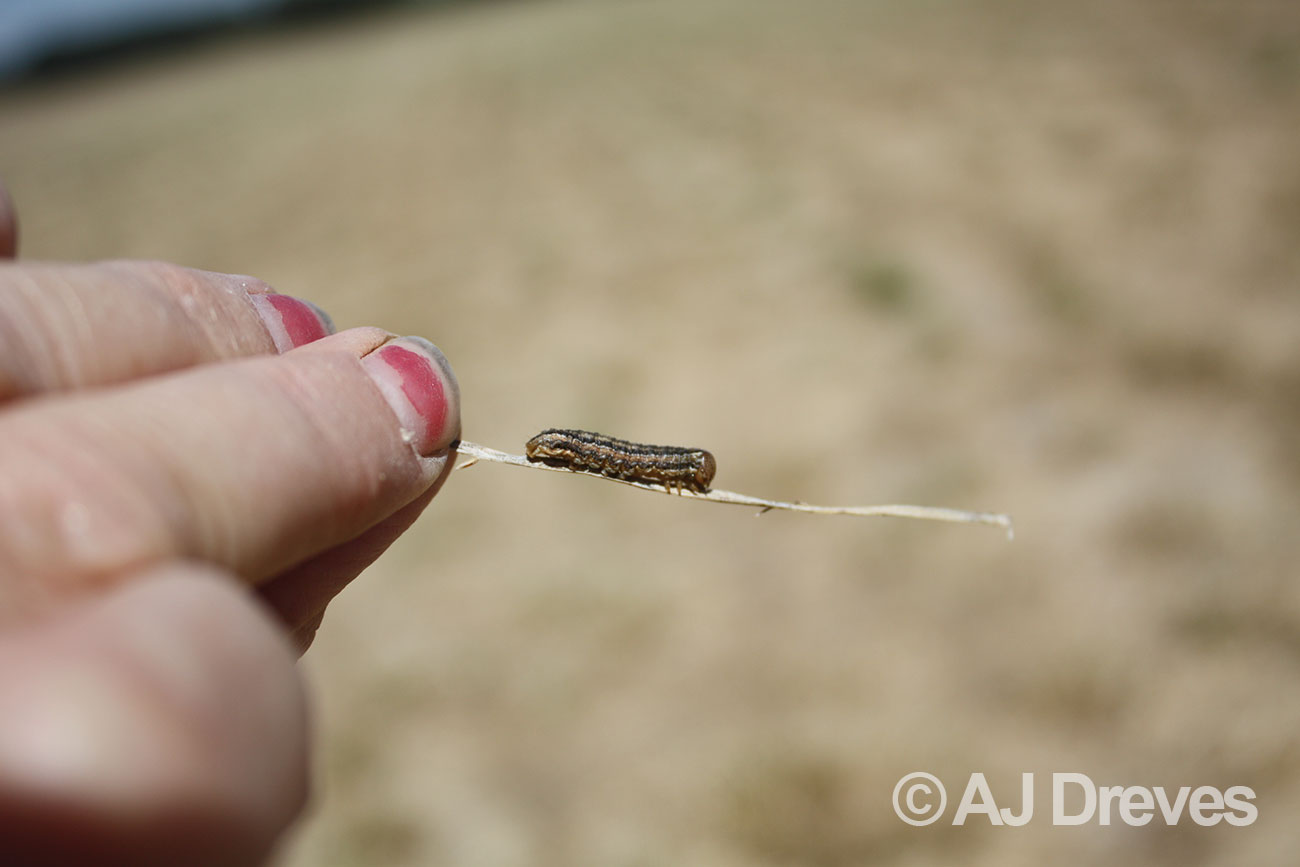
x: 584, y: 451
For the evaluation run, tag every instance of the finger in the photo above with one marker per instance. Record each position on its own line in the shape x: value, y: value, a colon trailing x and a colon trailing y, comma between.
x: 71, y: 326
x: 162, y: 723
x: 304, y: 636
x: 255, y: 465
x: 8, y: 225
x: 300, y: 595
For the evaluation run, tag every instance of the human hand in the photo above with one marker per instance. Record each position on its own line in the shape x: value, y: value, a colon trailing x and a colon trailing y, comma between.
x: 187, y: 476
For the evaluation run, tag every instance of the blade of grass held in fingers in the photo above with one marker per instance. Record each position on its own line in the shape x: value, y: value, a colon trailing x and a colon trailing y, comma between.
x: 475, y: 453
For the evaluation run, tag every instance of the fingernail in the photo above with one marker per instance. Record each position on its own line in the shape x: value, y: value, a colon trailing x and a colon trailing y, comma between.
x: 291, y: 321
x: 420, y: 386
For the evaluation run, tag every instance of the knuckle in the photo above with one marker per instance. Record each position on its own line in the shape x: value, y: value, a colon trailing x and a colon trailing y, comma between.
x: 156, y: 273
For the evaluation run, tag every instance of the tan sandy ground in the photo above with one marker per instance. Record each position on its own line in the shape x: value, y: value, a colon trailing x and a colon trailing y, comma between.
x: 1033, y: 257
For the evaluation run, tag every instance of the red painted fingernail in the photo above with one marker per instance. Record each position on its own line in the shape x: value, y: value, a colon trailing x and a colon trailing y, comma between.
x: 420, y: 386
x: 292, y: 321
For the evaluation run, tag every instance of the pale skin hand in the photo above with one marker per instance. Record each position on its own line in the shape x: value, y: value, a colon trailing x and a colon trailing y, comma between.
x: 181, y: 493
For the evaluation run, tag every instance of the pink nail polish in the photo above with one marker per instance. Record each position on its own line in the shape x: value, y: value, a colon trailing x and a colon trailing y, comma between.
x: 419, y: 385
x: 291, y: 321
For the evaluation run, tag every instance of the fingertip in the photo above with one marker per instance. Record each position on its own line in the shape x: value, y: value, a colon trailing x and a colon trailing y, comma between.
x: 419, y: 385
x: 291, y: 322
x: 305, y: 635
x: 415, y: 378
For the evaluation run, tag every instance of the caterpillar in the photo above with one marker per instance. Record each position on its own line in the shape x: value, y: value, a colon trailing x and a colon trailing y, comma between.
x: 584, y: 451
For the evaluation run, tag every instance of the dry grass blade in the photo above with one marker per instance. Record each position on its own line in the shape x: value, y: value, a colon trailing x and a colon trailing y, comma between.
x: 476, y: 453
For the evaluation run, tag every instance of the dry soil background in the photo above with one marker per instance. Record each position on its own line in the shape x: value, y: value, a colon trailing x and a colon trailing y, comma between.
x: 1033, y: 257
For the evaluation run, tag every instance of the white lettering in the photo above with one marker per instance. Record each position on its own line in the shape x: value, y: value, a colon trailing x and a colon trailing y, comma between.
x: 1174, y: 811
x: 986, y: 805
x: 1238, y: 800
x: 1059, y: 816
x: 1207, y: 806
x: 1137, y: 798
x: 1026, y: 804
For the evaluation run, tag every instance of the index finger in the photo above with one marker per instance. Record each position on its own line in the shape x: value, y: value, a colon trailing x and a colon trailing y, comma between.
x: 254, y: 465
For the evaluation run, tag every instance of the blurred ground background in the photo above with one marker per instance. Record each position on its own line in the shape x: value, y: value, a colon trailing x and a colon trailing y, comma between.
x: 1041, y: 258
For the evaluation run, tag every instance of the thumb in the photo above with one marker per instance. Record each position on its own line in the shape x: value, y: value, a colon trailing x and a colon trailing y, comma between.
x: 161, y: 723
